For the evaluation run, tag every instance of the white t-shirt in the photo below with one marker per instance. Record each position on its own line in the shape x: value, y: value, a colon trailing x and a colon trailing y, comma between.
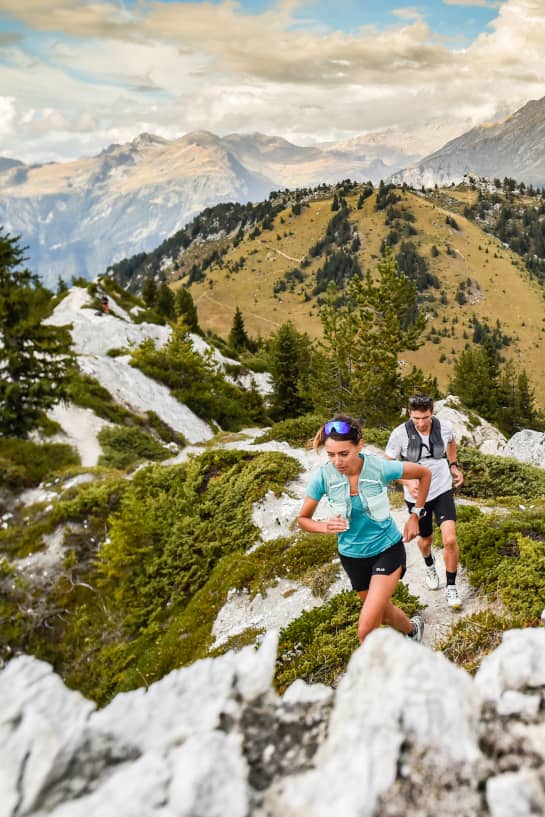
x: 441, y: 478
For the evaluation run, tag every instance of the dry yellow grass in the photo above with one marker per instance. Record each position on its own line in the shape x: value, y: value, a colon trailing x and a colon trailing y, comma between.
x: 502, y: 289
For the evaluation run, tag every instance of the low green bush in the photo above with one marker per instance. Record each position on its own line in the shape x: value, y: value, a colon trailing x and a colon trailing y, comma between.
x: 318, y: 645
x: 124, y: 448
x: 473, y: 637
x: 492, y: 477
x: 24, y: 463
x: 142, y: 599
x: 87, y: 392
x: 195, y: 381
x: 504, y: 556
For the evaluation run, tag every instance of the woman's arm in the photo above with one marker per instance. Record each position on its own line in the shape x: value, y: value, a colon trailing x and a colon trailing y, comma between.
x: 412, y: 470
x: 305, y: 521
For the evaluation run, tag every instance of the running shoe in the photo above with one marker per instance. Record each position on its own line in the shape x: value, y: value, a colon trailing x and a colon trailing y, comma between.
x: 453, y: 599
x: 418, y: 628
x: 432, y: 579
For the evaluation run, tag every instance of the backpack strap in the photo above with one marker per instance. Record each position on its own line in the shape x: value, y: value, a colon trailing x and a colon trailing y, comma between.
x: 414, y: 447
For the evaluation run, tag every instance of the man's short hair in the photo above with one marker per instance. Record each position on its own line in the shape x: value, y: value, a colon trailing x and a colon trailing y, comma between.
x: 420, y: 401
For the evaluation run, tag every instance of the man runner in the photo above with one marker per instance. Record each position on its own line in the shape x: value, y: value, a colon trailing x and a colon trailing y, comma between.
x: 431, y: 442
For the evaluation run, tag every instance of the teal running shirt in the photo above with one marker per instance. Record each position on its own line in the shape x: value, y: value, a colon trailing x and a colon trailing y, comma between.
x: 365, y: 537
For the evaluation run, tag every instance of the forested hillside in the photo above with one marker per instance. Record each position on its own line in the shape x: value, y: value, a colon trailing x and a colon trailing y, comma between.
x: 475, y: 254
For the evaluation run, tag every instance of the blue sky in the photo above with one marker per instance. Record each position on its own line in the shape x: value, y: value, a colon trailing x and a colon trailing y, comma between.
x: 461, y: 23
x: 77, y: 75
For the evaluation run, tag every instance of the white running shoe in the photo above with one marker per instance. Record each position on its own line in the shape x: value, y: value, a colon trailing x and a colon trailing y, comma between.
x: 453, y: 599
x: 418, y: 628
x: 432, y: 579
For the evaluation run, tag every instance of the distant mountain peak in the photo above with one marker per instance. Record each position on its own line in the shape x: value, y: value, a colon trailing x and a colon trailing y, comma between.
x: 512, y: 147
x: 145, y: 140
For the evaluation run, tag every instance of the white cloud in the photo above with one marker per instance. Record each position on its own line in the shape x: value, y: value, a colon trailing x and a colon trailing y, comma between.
x: 7, y: 115
x: 170, y: 68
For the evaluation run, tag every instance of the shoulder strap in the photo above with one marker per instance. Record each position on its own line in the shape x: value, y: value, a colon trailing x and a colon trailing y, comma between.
x: 414, y: 447
x: 437, y: 445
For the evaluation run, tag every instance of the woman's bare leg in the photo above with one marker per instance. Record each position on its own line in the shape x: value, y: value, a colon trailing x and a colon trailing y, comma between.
x: 378, y: 608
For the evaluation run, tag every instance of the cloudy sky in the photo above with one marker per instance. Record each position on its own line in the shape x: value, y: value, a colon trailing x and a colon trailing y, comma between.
x: 77, y: 75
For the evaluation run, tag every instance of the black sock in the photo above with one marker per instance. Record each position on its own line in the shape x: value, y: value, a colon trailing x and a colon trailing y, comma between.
x: 451, y: 577
x: 413, y: 632
x: 428, y: 560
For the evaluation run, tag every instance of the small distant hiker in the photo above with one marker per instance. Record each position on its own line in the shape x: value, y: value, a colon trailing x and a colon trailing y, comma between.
x: 105, y: 305
x: 370, y: 545
x: 429, y: 441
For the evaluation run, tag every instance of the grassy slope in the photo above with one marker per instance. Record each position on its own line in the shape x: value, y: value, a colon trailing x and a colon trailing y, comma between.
x: 505, y: 291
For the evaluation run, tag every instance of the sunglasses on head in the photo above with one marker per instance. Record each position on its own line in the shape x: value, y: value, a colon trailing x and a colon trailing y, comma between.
x: 420, y: 401
x: 340, y: 426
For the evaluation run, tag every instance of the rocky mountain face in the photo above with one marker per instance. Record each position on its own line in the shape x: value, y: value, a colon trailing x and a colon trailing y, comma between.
x: 78, y: 217
x: 215, y: 739
x: 512, y: 148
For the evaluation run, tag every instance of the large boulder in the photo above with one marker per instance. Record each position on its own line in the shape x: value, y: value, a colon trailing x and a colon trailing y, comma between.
x: 405, y: 732
x: 527, y: 446
x: 469, y: 428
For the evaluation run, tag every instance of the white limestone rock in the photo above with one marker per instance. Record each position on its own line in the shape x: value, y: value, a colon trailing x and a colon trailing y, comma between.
x: 190, y: 700
x: 393, y: 690
x: 209, y: 777
x: 469, y: 428
x: 41, y: 724
x: 516, y: 794
x: 517, y: 664
x: 527, y: 446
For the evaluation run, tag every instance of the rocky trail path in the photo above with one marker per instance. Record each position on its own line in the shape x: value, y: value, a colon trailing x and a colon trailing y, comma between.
x: 275, y: 516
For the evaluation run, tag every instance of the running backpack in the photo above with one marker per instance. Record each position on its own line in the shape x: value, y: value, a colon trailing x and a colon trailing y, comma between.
x: 414, y: 448
x: 372, y: 491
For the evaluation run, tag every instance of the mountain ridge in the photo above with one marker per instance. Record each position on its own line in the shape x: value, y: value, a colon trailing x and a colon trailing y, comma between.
x: 512, y: 147
x: 80, y: 216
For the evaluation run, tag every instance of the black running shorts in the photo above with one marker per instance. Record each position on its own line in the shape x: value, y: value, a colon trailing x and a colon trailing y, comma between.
x: 361, y: 570
x: 442, y: 508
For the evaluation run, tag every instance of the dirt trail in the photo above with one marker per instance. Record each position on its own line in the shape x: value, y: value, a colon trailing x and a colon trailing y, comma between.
x: 438, y: 618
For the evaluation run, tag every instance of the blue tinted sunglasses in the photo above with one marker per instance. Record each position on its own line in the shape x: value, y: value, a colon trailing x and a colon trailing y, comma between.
x: 340, y: 426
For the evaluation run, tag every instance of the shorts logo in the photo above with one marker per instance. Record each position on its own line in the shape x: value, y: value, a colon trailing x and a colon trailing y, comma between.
x: 380, y: 570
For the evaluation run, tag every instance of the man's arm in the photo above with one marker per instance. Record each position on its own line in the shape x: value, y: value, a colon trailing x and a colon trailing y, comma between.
x: 455, y: 470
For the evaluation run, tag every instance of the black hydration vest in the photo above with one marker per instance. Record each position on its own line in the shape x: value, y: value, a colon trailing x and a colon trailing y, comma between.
x: 414, y: 448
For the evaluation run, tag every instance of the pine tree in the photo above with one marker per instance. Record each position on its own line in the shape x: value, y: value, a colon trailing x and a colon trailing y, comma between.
x: 149, y: 290
x: 364, y: 333
x: 186, y: 309
x: 290, y: 355
x: 165, y: 303
x: 35, y: 359
x: 238, y: 339
x: 475, y: 382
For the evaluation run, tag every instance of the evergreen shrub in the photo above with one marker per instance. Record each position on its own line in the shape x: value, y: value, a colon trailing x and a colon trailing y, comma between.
x: 492, y: 477
x: 318, y: 645
x: 24, y: 464
x: 504, y: 556
x: 147, y: 601
x: 126, y: 447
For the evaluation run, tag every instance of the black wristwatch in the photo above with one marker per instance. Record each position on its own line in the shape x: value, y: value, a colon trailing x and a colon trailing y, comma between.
x: 456, y: 464
x: 418, y: 512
